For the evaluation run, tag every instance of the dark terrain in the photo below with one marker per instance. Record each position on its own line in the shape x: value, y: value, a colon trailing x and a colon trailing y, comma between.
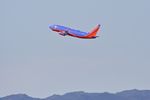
x: 124, y: 95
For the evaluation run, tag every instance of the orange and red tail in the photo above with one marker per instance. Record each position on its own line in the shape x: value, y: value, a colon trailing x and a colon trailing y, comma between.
x: 94, y: 32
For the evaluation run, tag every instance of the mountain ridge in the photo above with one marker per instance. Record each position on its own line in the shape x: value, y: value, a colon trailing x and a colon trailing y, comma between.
x: 81, y: 95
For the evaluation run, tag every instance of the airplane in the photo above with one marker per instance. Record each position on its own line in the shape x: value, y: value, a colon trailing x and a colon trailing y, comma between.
x: 62, y: 30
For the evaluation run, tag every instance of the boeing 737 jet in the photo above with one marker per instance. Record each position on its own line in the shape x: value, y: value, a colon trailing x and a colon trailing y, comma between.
x: 62, y: 30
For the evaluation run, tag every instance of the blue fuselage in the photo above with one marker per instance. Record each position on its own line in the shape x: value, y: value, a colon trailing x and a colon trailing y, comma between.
x: 70, y: 31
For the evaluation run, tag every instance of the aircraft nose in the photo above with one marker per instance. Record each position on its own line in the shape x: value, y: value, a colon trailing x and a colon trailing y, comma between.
x: 50, y: 26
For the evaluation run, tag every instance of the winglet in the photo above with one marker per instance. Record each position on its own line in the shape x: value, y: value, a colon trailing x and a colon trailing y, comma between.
x: 94, y: 31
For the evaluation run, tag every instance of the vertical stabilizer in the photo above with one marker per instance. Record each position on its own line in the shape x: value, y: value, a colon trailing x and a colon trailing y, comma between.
x: 94, y: 31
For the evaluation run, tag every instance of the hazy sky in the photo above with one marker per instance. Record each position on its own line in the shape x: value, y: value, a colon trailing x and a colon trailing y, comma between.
x: 36, y: 61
